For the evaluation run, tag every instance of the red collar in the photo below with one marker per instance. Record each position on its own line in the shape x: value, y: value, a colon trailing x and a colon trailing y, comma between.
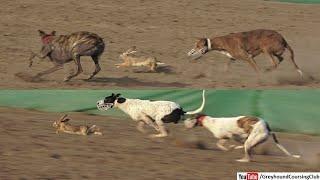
x: 200, y: 119
x: 47, y: 39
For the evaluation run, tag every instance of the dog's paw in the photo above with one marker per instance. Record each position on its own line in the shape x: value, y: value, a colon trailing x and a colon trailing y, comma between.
x: 66, y: 79
x: 143, y: 131
x: 296, y: 156
x: 268, y: 70
x: 157, y: 135
x: 243, y: 160
x: 89, y: 77
x: 239, y: 147
x: 222, y: 148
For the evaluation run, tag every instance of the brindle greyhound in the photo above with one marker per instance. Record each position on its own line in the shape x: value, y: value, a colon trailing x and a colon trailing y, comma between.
x: 65, y: 48
x: 246, y: 46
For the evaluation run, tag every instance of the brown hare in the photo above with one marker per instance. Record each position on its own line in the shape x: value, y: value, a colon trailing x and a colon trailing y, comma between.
x: 132, y: 61
x: 63, y: 125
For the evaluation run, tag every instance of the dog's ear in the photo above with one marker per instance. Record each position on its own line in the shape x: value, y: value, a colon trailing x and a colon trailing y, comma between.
x: 41, y: 33
x: 118, y: 95
x: 121, y: 100
x: 112, y: 94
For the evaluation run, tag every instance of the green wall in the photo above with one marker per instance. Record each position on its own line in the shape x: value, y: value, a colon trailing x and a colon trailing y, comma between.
x: 285, y: 110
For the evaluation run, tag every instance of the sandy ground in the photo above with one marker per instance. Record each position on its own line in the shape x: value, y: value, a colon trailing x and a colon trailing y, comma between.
x: 164, y: 29
x: 30, y: 149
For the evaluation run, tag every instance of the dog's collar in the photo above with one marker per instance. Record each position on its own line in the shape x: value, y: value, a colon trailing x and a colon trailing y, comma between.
x: 209, y: 44
x: 200, y: 120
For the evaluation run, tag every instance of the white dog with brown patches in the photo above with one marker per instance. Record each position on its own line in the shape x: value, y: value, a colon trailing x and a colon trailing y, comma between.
x: 250, y: 131
x: 152, y: 113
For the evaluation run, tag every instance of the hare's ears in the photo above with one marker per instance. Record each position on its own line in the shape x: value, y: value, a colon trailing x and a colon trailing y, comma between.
x: 132, y: 49
x: 64, y: 119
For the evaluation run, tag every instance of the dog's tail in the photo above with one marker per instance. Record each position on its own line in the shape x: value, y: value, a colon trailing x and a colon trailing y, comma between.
x: 283, y: 149
x: 292, y: 59
x: 200, y: 109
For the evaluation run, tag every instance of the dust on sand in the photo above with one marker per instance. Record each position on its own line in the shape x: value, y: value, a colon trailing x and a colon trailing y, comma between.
x: 32, y: 150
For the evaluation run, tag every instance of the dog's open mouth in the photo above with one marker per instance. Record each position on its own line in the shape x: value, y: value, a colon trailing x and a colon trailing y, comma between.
x: 104, y: 106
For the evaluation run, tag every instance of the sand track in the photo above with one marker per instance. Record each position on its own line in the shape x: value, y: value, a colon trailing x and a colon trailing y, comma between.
x: 31, y: 149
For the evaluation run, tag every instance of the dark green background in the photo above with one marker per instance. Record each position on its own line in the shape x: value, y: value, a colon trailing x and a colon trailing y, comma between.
x: 285, y: 110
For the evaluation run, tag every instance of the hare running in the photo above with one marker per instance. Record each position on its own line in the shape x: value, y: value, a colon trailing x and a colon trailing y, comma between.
x: 63, y: 125
x: 131, y: 61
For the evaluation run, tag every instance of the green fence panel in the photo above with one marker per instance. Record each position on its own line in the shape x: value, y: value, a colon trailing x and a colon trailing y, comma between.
x: 286, y: 110
x: 296, y: 111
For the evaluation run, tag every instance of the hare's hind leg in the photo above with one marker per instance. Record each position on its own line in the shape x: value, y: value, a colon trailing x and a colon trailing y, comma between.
x: 153, y: 66
x: 124, y: 64
x: 98, y: 133
x: 94, y: 130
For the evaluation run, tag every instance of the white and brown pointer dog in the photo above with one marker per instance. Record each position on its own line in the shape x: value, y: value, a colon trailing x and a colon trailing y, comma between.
x: 251, y: 131
x: 152, y: 113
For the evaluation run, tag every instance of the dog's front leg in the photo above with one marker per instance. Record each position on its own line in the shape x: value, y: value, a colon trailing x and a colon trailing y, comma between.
x: 118, y: 65
x: 247, y: 156
x: 253, y: 63
x: 162, y: 130
x: 33, y: 55
x: 140, y: 126
x: 239, y: 147
x: 236, y: 147
x: 51, y: 70
x: 220, y: 144
x: 150, y: 122
x: 247, y: 57
x: 227, y: 65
